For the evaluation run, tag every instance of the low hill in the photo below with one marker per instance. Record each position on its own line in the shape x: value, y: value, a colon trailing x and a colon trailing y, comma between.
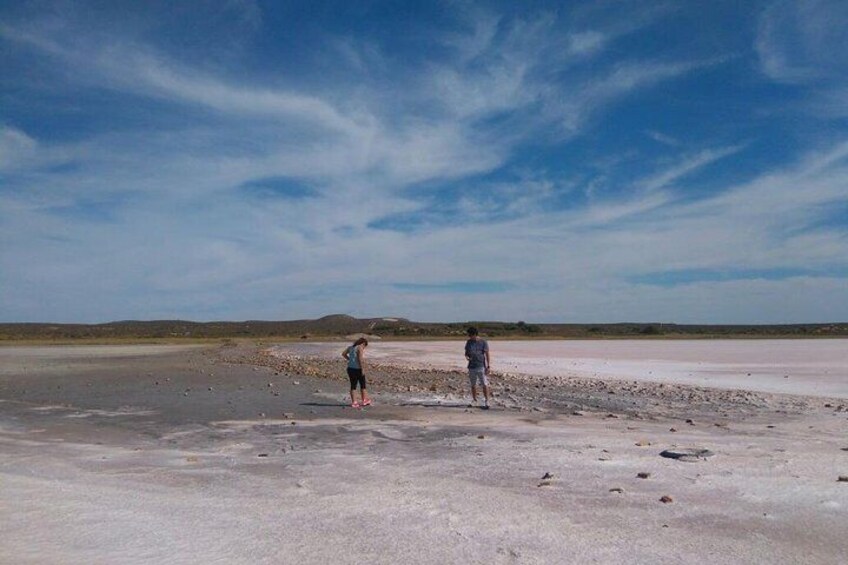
x: 339, y: 325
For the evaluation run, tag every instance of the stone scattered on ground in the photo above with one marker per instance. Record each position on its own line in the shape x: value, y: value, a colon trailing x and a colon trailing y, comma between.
x: 687, y: 454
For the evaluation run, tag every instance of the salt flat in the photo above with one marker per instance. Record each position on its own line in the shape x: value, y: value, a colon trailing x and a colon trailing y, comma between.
x: 814, y: 367
x: 241, y: 455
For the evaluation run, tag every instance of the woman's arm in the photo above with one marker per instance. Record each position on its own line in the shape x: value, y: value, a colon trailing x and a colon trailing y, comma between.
x: 345, y: 354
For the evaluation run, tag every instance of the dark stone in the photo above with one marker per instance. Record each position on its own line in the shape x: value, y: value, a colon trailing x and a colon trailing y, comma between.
x: 687, y: 454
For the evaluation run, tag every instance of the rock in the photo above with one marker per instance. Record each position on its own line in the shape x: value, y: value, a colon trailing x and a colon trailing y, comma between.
x: 210, y: 389
x: 643, y: 475
x: 578, y: 413
x: 842, y: 479
x: 665, y: 499
x: 687, y: 454
x: 295, y: 382
x: 547, y: 476
x: 690, y: 422
x: 481, y: 436
x: 672, y: 429
x: 545, y: 483
x: 643, y: 443
x: 262, y: 414
x: 270, y: 385
x: 617, y: 489
x: 262, y: 455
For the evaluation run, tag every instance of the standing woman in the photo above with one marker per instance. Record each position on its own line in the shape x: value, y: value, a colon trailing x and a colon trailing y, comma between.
x: 355, y: 355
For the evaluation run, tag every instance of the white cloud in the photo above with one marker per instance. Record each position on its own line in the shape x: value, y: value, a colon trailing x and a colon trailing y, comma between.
x: 801, y: 40
x: 802, y: 43
x: 16, y: 148
x: 187, y: 243
x: 689, y: 165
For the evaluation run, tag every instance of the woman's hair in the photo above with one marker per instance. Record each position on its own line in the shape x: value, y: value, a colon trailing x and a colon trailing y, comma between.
x: 360, y: 341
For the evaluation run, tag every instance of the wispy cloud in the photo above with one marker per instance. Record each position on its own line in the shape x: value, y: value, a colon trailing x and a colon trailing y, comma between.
x: 450, y: 179
x: 686, y: 167
x: 801, y: 43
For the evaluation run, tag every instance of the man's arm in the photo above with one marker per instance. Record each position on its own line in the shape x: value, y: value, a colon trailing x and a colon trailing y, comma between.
x: 488, y: 360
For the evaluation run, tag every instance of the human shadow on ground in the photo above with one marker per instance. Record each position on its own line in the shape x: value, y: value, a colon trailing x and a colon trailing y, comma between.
x: 434, y: 405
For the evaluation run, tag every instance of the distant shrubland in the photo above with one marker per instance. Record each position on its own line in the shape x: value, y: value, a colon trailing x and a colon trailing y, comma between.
x: 342, y: 325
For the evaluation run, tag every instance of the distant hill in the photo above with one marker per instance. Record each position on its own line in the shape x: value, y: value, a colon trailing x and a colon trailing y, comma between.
x: 339, y: 325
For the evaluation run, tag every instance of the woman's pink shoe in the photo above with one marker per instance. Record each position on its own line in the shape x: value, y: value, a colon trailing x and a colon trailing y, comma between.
x: 367, y: 402
x: 354, y: 405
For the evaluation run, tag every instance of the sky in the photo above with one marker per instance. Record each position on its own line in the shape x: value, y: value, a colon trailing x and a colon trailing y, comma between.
x: 585, y: 161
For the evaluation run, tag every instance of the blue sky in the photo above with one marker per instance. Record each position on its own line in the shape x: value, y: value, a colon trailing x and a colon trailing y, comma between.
x: 447, y: 160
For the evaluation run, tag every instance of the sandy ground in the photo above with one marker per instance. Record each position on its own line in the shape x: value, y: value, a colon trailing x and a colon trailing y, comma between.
x: 250, y: 455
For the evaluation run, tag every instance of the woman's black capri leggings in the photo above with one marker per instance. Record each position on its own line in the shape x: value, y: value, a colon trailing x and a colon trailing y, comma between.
x: 356, y: 376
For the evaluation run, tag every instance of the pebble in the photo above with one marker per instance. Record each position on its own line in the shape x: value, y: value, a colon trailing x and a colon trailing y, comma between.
x: 643, y: 443
x: 616, y: 489
x: 643, y: 475
x: 481, y: 436
x: 842, y: 479
x: 672, y: 429
x: 546, y: 476
x: 665, y: 499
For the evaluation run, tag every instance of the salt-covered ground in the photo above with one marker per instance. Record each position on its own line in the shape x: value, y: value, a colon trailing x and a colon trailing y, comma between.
x: 815, y: 367
x: 185, y: 455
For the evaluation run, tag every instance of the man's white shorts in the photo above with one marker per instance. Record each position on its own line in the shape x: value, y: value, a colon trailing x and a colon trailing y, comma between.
x: 478, y: 377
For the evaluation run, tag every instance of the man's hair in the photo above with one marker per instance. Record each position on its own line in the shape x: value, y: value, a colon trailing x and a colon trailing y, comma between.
x: 472, y: 331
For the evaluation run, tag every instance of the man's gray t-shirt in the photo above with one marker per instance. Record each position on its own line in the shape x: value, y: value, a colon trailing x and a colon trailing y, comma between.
x: 475, y: 350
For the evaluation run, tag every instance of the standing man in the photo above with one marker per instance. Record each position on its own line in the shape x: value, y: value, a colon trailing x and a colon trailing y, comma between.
x: 477, y: 354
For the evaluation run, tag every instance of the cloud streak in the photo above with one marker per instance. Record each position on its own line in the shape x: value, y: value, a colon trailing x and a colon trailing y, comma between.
x: 452, y: 180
